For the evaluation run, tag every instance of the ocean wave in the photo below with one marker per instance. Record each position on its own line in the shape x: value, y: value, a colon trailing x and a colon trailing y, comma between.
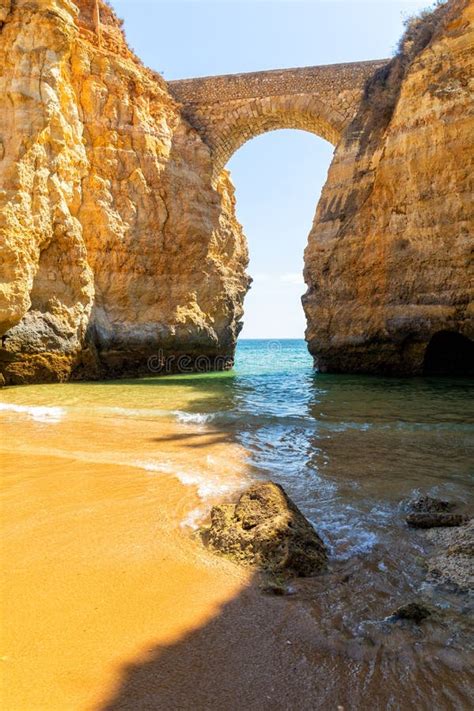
x: 207, y: 486
x: 38, y: 413
x: 347, y: 540
x: 151, y: 466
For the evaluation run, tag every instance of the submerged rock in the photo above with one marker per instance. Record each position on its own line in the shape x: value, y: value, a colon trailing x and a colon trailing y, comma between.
x: 432, y: 520
x: 428, y: 512
x: 428, y: 504
x: 413, y: 611
x: 266, y: 529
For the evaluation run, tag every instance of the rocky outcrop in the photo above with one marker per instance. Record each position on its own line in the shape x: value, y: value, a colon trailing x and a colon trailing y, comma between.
x: 117, y: 253
x: 451, y: 562
x: 388, y: 263
x: 266, y: 529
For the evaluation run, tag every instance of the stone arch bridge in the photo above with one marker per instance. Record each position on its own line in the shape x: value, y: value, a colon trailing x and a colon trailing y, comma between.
x: 229, y: 110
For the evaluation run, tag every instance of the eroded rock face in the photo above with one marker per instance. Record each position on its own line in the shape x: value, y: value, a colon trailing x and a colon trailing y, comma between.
x: 114, y: 245
x: 388, y: 264
x: 266, y: 529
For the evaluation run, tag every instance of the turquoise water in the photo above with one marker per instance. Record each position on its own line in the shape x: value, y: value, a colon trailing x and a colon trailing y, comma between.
x: 347, y: 448
x: 350, y: 450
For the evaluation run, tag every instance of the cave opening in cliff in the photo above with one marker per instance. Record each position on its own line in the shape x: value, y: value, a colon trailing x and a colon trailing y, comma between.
x: 278, y: 177
x: 449, y: 353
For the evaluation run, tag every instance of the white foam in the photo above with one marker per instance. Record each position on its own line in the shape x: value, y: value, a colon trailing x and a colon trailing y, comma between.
x: 151, y: 466
x: 193, y: 518
x: 359, y: 543
x: 208, y: 486
x: 37, y: 413
x: 196, y: 417
x: 134, y: 412
x: 348, y: 539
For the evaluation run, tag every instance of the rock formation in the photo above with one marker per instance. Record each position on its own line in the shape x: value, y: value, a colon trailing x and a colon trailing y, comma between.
x: 427, y: 512
x: 266, y: 529
x: 114, y: 245
x: 120, y: 251
x: 428, y: 504
x: 452, y: 561
x: 434, y: 520
x: 389, y: 258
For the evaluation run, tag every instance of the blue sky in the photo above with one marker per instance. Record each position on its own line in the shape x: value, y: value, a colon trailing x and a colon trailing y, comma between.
x: 278, y: 176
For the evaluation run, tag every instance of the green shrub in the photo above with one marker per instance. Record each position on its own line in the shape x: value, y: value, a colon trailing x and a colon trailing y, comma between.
x: 382, y: 90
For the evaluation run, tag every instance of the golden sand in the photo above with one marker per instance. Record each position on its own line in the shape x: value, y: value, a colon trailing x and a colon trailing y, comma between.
x: 97, y: 567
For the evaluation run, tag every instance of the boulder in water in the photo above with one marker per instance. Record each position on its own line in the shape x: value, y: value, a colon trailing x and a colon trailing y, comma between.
x: 433, y: 520
x: 266, y: 529
x: 428, y: 504
x: 428, y: 512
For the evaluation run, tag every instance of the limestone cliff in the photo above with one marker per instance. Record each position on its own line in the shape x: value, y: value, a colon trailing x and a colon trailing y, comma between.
x: 114, y: 244
x: 389, y: 258
x: 120, y: 252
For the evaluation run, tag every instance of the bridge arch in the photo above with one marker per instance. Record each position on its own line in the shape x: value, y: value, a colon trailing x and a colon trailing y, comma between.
x: 230, y: 109
x: 259, y: 116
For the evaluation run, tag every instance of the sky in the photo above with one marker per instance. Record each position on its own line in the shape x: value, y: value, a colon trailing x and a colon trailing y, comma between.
x: 278, y: 176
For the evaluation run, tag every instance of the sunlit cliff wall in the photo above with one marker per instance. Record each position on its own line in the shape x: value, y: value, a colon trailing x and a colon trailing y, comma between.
x: 114, y: 245
x: 390, y: 256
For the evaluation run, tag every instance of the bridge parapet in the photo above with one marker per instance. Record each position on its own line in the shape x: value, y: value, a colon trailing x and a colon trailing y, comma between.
x: 230, y: 109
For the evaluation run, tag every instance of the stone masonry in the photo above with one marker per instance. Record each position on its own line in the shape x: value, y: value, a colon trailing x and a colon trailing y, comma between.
x: 229, y: 110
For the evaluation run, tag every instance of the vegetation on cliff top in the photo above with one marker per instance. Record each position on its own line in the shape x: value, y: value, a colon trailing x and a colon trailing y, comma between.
x: 383, y: 88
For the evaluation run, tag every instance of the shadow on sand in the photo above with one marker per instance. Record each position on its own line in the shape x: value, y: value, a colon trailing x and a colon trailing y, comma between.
x: 268, y: 652
x: 252, y: 655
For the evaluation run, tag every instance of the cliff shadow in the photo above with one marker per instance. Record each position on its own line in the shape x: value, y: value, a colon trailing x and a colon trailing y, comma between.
x: 271, y: 653
x: 252, y: 655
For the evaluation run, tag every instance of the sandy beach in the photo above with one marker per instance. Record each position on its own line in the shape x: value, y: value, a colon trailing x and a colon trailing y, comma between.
x: 98, y: 567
